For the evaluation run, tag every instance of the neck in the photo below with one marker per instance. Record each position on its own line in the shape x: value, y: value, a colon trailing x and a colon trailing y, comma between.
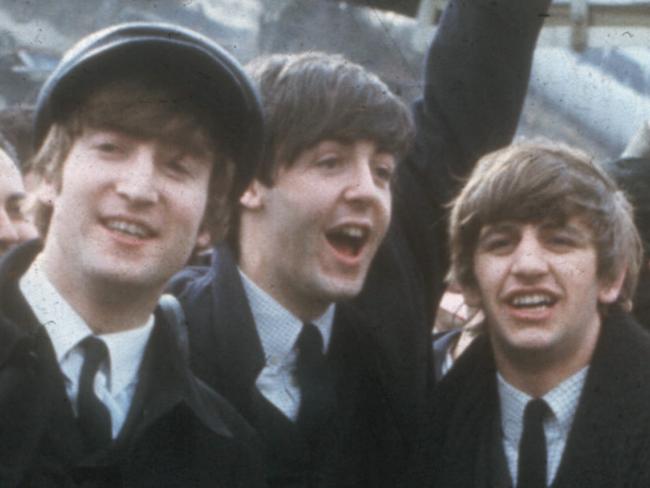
x: 292, y: 300
x: 105, y: 307
x: 537, y: 372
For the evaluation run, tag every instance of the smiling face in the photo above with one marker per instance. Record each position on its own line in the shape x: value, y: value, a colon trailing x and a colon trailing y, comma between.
x: 127, y: 211
x: 308, y: 240
x: 539, y: 287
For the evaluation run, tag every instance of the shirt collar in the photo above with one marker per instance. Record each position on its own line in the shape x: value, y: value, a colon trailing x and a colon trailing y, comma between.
x: 562, y: 401
x: 126, y: 350
x: 67, y: 329
x: 52, y: 310
x: 278, y: 328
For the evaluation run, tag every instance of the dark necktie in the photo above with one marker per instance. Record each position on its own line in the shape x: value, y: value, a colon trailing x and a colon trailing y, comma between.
x: 532, y: 447
x: 315, y: 381
x: 94, y: 418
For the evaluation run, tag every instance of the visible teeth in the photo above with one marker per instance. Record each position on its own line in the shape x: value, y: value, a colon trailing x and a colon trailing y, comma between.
x: 353, y: 232
x: 128, y: 228
x: 532, y: 300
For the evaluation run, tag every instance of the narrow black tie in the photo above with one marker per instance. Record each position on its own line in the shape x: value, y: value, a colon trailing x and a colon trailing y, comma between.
x: 94, y: 417
x: 315, y: 381
x: 532, y: 447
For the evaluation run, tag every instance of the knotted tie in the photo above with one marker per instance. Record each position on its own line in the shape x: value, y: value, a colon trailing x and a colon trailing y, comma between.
x: 532, y: 447
x: 94, y: 418
x: 314, y: 378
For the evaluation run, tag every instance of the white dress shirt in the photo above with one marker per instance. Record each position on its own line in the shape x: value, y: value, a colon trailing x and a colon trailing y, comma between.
x: 278, y: 330
x: 117, y: 378
x: 562, y: 401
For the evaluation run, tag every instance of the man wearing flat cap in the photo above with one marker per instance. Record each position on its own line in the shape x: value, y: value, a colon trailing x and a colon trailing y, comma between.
x: 144, y: 134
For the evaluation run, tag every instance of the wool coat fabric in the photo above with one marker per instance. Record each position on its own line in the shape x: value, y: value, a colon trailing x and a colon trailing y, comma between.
x: 476, y: 77
x: 609, y: 442
x: 178, y: 432
x: 356, y: 446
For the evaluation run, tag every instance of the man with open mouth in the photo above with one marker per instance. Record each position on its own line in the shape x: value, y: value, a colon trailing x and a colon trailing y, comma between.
x: 335, y: 382
x: 144, y: 132
x: 557, y: 391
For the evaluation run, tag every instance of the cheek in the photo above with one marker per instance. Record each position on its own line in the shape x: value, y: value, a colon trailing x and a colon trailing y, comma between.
x: 193, y: 210
x: 387, y: 208
x: 579, y: 269
x: 487, y: 271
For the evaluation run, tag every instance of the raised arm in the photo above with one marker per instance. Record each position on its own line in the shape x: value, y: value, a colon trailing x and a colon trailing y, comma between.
x: 477, y: 73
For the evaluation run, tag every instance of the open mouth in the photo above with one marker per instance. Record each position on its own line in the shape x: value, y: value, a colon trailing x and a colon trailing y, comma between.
x: 129, y: 228
x: 532, y: 300
x: 348, y: 240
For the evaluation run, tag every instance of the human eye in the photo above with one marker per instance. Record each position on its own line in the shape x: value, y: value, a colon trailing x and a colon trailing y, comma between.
x: 328, y: 162
x: 496, y: 242
x: 562, y: 240
x: 178, y: 167
x: 108, y: 145
x: 384, y: 170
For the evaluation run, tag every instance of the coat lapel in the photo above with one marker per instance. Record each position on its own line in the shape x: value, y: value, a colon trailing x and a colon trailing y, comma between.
x: 226, y: 350
x: 613, y: 409
x: 33, y: 401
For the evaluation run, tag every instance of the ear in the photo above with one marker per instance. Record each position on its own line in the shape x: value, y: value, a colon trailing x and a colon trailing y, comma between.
x: 204, y: 239
x: 609, y: 292
x: 46, y: 193
x: 253, y: 197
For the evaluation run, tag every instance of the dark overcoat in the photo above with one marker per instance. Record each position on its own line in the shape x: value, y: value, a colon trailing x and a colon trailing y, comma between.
x: 608, y: 444
x: 178, y: 432
x: 476, y: 77
x: 356, y: 448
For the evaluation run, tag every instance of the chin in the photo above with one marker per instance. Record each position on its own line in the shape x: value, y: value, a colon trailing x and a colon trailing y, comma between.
x: 340, y: 290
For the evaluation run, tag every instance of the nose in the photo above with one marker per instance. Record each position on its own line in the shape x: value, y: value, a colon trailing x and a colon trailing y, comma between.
x: 138, y: 181
x: 529, y: 258
x: 8, y: 232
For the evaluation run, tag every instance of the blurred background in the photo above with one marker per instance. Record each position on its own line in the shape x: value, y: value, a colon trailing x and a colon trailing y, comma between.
x: 591, y: 78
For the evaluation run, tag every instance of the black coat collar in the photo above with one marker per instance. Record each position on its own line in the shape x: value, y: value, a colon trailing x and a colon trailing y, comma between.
x: 610, y: 429
x: 166, y: 380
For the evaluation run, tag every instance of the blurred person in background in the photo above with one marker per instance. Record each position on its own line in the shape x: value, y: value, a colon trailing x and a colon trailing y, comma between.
x: 457, y: 325
x: 15, y: 224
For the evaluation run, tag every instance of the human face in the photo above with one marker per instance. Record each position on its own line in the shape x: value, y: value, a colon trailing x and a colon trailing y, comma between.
x: 127, y: 211
x: 319, y: 226
x: 539, y: 288
x: 15, y: 227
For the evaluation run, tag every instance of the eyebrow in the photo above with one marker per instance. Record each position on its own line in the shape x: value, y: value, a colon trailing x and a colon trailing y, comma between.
x: 498, y: 227
x: 571, y: 229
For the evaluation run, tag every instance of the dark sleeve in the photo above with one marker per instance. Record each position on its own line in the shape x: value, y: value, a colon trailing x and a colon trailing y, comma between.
x: 476, y: 78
